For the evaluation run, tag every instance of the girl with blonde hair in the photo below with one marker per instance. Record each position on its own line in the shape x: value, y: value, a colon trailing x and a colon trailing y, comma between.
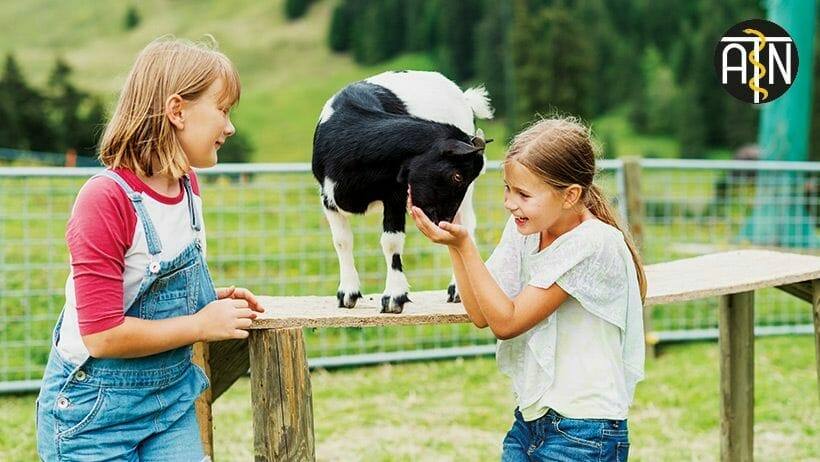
x: 119, y: 383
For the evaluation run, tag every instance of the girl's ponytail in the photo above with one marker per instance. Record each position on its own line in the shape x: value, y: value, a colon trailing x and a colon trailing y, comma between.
x: 595, y: 200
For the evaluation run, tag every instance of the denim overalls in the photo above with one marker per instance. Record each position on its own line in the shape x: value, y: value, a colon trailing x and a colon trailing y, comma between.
x: 133, y: 409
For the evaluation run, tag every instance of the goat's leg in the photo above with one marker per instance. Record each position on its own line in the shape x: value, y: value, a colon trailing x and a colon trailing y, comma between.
x: 466, y: 215
x: 392, y: 241
x: 349, y: 286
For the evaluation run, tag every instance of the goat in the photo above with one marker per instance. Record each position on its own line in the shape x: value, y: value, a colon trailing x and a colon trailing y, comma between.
x: 377, y: 136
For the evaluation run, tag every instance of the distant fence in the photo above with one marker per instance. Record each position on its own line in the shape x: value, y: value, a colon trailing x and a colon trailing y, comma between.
x: 20, y: 157
x: 266, y: 231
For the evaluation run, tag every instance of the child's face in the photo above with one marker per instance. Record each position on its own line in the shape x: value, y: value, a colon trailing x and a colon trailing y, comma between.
x: 535, y: 205
x: 206, y: 127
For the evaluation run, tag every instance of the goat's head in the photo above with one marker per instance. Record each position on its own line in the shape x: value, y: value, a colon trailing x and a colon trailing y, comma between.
x: 440, y: 177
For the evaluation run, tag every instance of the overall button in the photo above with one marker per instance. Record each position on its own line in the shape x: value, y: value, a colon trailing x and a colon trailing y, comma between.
x: 81, y: 376
x: 62, y: 402
x: 154, y: 267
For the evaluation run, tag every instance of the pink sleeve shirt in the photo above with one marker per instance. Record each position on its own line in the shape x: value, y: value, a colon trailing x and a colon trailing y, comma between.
x: 109, y: 253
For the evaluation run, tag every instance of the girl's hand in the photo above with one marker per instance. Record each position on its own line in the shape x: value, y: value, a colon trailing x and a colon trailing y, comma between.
x: 224, y: 319
x: 239, y: 293
x: 444, y: 233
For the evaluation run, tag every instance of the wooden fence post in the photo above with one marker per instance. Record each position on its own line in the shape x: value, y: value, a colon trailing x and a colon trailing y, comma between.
x: 736, y: 327
x: 634, y: 218
x: 204, y: 414
x: 281, y: 396
x: 815, y: 303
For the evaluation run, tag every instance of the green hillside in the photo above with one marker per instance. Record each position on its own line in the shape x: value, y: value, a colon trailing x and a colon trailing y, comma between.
x: 286, y: 68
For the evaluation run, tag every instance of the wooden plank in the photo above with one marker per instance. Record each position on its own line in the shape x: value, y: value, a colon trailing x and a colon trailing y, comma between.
x: 281, y: 397
x: 736, y: 326
x: 681, y: 280
x: 801, y: 290
x: 816, y: 310
x: 229, y: 360
x: 204, y: 411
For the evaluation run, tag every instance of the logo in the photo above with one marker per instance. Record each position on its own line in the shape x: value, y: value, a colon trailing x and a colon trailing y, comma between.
x: 756, y: 61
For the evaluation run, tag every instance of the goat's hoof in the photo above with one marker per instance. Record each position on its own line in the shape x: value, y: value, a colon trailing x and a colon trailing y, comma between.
x: 347, y: 299
x: 394, y: 303
x: 452, y: 294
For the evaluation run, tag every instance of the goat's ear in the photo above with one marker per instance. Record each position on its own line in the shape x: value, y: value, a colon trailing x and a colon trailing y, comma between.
x: 403, y: 172
x: 459, y: 148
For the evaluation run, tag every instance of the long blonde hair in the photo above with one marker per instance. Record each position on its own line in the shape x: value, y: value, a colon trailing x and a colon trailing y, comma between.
x: 561, y: 152
x: 139, y: 136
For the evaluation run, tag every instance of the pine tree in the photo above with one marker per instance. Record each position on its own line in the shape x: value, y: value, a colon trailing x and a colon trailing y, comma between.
x: 456, y: 45
x: 132, y: 18
x: 691, y: 128
x: 295, y: 9
x: 93, y: 124
x: 555, y: 63
x: 64, y: 104
x: 29, y: 127
x: 489, y: 55
x: 341, y: 24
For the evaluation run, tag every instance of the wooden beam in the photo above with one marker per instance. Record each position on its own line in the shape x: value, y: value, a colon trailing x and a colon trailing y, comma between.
x: 801, y: 290
x: 229, y: 360
x: 204, y: 412
x: 281, y: 397
x: 816, y: 310
x: 736, y: 326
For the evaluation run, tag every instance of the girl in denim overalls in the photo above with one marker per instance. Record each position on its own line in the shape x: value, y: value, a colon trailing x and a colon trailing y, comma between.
x: 120, y: 384
x: 563, y: 293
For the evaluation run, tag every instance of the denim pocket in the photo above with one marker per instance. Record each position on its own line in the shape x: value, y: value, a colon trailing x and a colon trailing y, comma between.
x: 621, y: 451
x: 580, y: 431
x: 75, y: 408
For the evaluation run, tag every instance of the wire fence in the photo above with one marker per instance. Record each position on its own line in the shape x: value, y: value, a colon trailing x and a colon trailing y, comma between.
x: 266, y: 231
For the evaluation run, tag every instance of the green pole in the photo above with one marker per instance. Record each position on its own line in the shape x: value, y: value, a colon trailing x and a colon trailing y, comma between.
x: 780, y: 217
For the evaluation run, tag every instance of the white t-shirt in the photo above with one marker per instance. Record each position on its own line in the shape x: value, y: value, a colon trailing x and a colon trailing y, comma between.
x: 584, y: 360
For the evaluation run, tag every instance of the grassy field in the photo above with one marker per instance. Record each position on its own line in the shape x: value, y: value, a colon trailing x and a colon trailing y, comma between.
x: 460, y: 410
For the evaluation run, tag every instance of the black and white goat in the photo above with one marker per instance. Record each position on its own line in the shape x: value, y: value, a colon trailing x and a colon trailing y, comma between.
x: 377, y: 136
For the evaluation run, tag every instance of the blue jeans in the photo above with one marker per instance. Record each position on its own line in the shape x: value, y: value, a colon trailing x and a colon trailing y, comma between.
x: 554, y: 437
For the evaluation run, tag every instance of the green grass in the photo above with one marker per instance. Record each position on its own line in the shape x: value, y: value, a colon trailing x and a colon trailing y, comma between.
x: 461, y: 409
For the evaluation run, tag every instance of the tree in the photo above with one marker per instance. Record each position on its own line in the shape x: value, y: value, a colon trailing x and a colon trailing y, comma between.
x: 295, y: 9
x: 657, y: 105
x: 691, y: 129
x: 340, y: 28
x: 489, y: 56
x: 132, y: 18
x: 554, y: 64
x: 457, y: 21
x: 237, y: 148
x: 28, y: 127
x: 64, y: 105
x: 370, y: 34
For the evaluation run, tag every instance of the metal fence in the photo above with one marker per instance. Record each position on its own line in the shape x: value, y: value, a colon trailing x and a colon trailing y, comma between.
x: 266, y: 231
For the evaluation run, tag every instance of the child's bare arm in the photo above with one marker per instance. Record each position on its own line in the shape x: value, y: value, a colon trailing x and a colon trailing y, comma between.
x: 219, y: 320
x: 507, y: 317
x: 465, y: 290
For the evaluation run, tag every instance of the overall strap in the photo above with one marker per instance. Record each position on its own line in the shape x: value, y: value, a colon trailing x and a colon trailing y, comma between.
x: 196, y: 224
x: 151, y: 236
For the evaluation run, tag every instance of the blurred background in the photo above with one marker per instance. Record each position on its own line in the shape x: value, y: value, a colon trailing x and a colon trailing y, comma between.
x: 676, y: 147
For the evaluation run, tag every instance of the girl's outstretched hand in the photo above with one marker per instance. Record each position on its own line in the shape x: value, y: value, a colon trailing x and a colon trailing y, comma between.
x: 239, y: 293
x: 445, y: 233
